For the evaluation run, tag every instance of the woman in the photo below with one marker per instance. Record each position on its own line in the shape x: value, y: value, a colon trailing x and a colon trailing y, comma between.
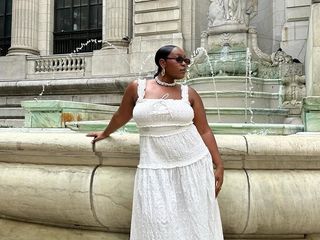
x: 175, y: 185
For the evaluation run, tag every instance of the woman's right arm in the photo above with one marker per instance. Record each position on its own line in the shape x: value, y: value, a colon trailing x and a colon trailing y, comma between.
x: 121, y: 116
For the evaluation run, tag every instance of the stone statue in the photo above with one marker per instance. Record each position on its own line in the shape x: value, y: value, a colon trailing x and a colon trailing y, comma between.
x: 280, y: 57
x: 295, y: 89
x: 217, y: 14
x: 231, y: 12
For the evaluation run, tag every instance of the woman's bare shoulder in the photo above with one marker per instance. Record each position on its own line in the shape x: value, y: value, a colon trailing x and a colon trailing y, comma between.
x: 131, y: 89
x: 132, y: 86
x: 193, y: 95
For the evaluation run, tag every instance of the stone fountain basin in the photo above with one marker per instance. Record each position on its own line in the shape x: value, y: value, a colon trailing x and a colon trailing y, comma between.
x: 230, y: 67
x: 217, y: 128
x: 56, y: 179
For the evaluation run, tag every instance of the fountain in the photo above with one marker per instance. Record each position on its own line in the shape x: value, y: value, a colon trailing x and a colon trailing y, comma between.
x: 248, y: 84
x: 55, y: 185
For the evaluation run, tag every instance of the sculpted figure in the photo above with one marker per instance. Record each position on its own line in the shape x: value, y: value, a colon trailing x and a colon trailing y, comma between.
x: 280, y: 57
x: 217, y: 14
x: 231, y: 11
x: 237, y: 10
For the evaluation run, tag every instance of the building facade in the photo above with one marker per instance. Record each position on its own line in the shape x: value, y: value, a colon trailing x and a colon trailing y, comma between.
x: 63, y: 44
x: 50, y: 27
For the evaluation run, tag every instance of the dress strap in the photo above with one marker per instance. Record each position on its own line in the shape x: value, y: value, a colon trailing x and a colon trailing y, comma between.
x: 141, y: 88
x: 184, y: 92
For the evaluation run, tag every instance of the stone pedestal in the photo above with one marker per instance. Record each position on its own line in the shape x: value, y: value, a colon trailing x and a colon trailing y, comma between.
x: 311, y: 114
x: 235, y: 35
x: 24, y: 39
x: 55, y: 113
x: 228, y: 23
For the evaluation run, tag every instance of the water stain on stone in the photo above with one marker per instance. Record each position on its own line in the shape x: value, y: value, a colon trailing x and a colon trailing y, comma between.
x: 67, y: 117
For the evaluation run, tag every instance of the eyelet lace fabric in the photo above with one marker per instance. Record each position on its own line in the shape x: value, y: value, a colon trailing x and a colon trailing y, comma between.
x: 174, y: 191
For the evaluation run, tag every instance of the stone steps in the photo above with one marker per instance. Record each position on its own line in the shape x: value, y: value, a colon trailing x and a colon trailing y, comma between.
x: 11, y: 116
x: 243, y: 99
x: 243, y: 115
x: 10, y: 123
x: 232, y: 96
x: 111, y: 99
x: 237, y: 99
x: 11, y: 113
x: 235, y: 83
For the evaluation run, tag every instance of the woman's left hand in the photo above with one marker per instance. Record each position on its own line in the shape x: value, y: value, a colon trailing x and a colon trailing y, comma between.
x: 97, y: 136
x: 218, y: 174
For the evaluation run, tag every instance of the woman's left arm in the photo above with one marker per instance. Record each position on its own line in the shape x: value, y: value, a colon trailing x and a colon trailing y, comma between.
x: 201, y: 123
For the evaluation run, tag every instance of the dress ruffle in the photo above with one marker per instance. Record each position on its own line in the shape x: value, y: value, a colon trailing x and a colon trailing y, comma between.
x: 176, y: 204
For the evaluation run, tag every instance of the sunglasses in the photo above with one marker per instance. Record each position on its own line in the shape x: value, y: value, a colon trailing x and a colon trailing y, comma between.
x: 181, y: 60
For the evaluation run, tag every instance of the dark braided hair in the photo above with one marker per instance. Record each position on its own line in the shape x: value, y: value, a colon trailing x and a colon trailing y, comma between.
x: 162, y: 53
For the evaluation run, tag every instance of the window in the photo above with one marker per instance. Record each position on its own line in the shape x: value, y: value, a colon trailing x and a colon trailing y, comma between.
x: 5, y: 26
x: 76, y: 23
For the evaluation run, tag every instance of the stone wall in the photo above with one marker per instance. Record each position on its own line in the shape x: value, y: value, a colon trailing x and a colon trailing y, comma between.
x: 295, y: 29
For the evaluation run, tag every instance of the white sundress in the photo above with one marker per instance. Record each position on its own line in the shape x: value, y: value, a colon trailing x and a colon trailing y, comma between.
x: 174, y: 190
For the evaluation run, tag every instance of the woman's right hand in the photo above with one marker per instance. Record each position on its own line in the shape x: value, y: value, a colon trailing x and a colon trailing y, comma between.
x: 97, y: 136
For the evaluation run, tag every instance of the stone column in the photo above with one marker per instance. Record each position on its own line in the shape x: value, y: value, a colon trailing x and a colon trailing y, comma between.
x: 311, y: 104
x: 24, y: 38
x: 116, y: 23
x: 313, y: 52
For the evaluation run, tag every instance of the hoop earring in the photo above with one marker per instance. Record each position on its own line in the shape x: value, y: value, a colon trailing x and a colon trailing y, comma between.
x: 163, y: 72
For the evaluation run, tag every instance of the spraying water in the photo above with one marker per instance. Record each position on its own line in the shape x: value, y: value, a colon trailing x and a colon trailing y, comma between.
x: 224, y: 54
x: 200, y: 55
x: 42, y: 91
x: 82, y: 45
x: 144, y: 62
x: 249, y: 87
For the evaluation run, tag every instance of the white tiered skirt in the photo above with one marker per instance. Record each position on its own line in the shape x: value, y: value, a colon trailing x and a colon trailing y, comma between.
x: 176, y: 203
